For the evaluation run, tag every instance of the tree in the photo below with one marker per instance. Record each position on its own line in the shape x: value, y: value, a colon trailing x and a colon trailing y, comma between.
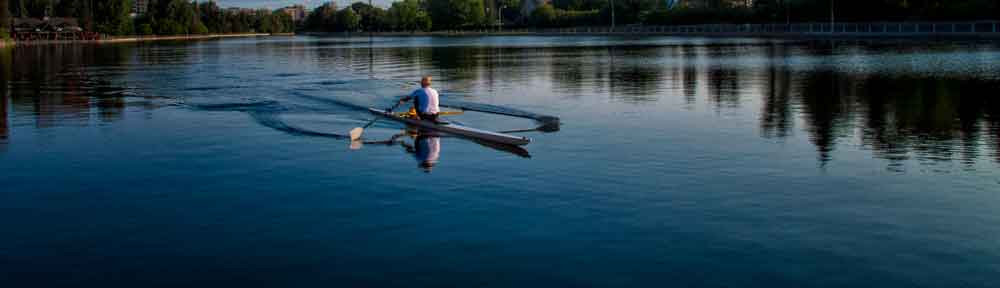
x: 112, y: 17
x: 469, y: 13
x: 145, y: 29
x: 19, y: 8
x: 212, y: 16
x: 275, y: 22
x: 266, y: 25
x: 169, y: 27
x: 543, y: 16
x: 407, y: 15
x: 452, y: 14
x: 348, y: 20
x: 580, y: 5
x: 4, y: 18
x: 373, y: 18
x: 631, y: 11
x: 198, y: 28
x: 285, y: 21
x: 37, y: 8
x: 323, y: 18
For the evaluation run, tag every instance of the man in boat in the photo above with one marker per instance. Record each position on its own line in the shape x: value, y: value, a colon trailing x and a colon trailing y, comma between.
x: 425, y: 101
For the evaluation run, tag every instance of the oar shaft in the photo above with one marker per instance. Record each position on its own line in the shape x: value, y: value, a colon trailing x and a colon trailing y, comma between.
x: 356, y: 132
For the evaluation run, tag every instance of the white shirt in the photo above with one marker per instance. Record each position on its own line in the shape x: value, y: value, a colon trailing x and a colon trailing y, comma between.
x: 427, y: 100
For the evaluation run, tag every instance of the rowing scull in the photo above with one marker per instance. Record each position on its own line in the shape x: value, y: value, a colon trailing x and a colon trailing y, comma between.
x: 457, y: 129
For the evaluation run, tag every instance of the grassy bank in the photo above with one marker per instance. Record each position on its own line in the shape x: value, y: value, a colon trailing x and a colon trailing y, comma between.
x: 120, y: 39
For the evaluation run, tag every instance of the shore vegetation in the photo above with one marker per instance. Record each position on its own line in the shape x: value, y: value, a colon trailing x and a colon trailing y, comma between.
x: 161, y: 17
x: 430, y: 15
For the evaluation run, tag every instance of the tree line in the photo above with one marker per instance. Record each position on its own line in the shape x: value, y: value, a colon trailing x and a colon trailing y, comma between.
x: 785, y: 11
x: 172, y: 17
x: 426, y: 15
x: 162, y: 17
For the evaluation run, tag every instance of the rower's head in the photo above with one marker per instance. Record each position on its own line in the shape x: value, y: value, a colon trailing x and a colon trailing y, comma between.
x: 425, y: 81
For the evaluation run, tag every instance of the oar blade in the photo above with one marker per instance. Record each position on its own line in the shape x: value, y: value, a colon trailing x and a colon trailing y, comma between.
x: 356, y: 133
x: 356, y: 145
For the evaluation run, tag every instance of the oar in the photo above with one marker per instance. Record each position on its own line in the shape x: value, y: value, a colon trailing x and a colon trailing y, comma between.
x: 356, y: 132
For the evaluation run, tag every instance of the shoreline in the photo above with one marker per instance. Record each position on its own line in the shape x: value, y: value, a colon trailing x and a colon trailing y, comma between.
x: 874, y: 30
x: 775, y: 35
x: 135, y: 39
x: 981, y: 30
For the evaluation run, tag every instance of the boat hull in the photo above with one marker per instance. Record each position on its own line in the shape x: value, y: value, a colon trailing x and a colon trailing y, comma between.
x: 458, y: 129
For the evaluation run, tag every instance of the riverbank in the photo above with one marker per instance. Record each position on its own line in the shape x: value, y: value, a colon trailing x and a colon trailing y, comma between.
x: 957, y: 30
x: 131, y: 39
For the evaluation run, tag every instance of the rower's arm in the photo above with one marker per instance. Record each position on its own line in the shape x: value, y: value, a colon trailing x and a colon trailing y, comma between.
x: 406, y: 98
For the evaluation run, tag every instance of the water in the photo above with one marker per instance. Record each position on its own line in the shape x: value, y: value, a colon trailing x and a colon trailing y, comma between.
x: 678, y: 162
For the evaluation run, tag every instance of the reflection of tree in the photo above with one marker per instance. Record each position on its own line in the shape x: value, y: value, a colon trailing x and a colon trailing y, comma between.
x: 934, y: 119
x: 723, y: 88
x: 827, y: 110
x: 568, y: 71
x: 937, y: 119
x: 460, y: 63
x: 776, y: 116
x: 723, y: 82
x: 54, y: 83
x: 633, y: 79
x: 690, y: 74
x: 637, y: 83
x: 491, y: 68
x: 6, y: 68
x: 992, y: 107
x: 898, y: 117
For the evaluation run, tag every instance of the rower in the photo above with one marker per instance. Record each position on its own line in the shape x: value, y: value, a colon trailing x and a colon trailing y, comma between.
x: 425, y: 101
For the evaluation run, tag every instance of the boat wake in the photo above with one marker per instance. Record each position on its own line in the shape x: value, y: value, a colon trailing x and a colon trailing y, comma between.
x: 275, y: 112
x: 268, y: 114
x: 546, y: 123
x: 274, y: 121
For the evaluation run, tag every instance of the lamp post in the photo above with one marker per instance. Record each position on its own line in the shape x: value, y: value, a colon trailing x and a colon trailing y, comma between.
x: 788, y: 12
x: 833, y: 18
x: 500, y: 18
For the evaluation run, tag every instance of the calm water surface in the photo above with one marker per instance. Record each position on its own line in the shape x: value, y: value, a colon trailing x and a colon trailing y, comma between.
x: 679, y: 162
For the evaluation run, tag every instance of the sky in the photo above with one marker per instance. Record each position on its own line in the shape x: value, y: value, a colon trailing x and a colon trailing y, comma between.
x: 275, y: 4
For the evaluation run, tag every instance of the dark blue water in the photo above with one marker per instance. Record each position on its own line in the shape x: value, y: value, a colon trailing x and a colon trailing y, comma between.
x: 682, y: 162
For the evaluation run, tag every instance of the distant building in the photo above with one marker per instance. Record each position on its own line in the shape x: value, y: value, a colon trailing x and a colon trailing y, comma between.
x: 49, y: 24
x: 297, y: 12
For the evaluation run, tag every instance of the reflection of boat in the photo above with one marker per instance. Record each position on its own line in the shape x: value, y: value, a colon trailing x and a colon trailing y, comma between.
x: 516, y: 150
x: 512, y: 149
x: 456, y: 129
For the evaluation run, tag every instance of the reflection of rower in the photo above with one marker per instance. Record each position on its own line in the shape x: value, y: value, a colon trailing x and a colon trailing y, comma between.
x: 426, y: 148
